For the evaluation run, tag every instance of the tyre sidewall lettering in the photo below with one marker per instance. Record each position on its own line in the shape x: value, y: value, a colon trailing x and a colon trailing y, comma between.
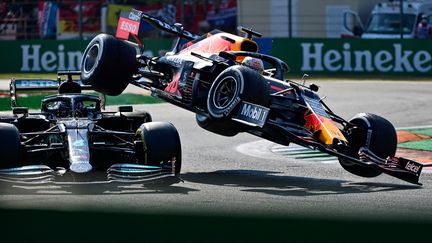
x: 225, y: 112
x: 231, y: 107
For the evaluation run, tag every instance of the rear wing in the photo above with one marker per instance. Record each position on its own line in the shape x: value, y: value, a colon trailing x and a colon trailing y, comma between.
x: 132, y: 23
x: 45, y: 85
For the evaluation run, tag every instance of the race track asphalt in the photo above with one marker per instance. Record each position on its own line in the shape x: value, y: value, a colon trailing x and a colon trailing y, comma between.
x: 221, y: 178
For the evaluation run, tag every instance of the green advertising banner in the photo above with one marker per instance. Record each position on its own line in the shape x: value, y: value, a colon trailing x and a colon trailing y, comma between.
x: 339, y: 57
x: 49, y: 56
x: 327, y: 57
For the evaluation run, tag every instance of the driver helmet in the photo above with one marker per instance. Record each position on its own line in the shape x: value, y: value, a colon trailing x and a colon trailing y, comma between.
x: 254, y: 63
x: 79, y: 105
x: 79, y: 108
x: 62, y: 108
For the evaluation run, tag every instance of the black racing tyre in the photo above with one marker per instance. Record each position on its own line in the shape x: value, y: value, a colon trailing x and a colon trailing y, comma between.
x: 375, y: 133
x: 137, y: 118
x: 108, y: 64
x: 233, y: 85
x: 10, y: 148
x: 161, y: 144
x: 226, y: 128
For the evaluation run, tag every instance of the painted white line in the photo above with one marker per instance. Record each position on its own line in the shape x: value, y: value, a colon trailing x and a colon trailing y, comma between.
x: 259, y: 149
x: 267, y: 150
x: 415, y: 127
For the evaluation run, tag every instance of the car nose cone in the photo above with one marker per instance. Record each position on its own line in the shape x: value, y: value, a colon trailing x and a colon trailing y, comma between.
x: 81, y: 167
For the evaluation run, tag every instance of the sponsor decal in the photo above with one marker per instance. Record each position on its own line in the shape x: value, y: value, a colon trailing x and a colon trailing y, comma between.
x: 252, y: 113
x: 35, y: 83
x: 125, y: 27
x: 406, y: 164
x: 33, y: 60
x: 316, y: 57
x: 175, y: 61
x: 232, y: 106
x: 129, y: 23
x: 413, y: 167
x: 135, y: 15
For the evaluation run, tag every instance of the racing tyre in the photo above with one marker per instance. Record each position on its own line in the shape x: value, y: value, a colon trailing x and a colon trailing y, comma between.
x: 161, y: 145
x: 225, y: 128
x: 10, y: 148
x: 233, y: 85
x: 375, y: 133
x: 108, y: 64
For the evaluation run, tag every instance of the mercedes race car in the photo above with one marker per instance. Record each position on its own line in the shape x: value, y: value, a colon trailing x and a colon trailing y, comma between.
x: 72, y: 135
x: 208, y: 75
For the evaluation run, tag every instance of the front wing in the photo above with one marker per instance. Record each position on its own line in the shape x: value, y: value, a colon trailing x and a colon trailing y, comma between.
x: 117, y: 173
x: 401, y: 168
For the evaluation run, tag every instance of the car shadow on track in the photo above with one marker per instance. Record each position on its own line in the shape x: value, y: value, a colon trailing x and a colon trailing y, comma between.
x: 92, y: 189
x: 268, y: 182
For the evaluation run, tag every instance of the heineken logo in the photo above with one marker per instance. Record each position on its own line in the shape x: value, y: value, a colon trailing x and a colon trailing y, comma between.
x: 316, y: 57
x: 36, y: 60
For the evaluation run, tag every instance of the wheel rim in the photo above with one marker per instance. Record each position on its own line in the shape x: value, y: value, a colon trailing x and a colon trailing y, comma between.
x: 91, y: 58
x: 225, y: 92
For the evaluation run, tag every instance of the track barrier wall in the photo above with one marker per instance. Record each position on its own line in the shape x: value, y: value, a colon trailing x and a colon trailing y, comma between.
x: 48, y: 56
x: 325, y: 57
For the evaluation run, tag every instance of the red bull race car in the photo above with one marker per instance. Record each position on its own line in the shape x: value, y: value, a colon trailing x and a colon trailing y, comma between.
x: 233, y: 88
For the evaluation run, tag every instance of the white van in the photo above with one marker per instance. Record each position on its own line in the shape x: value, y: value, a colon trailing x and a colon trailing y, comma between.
x: 385, y: 21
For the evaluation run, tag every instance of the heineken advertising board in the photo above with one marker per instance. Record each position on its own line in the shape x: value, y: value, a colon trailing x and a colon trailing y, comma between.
x: 330, y: 57
x: 49, y: 56
x: 338, y: 57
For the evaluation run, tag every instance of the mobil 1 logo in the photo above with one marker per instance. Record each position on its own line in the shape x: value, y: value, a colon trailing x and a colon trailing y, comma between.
x: 252, y: 114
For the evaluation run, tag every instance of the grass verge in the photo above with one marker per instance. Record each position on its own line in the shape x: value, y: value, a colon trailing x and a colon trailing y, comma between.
x: 34, y: 101
x: 425, y: 144
x: 7, y: 76
x: 418, y: 145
